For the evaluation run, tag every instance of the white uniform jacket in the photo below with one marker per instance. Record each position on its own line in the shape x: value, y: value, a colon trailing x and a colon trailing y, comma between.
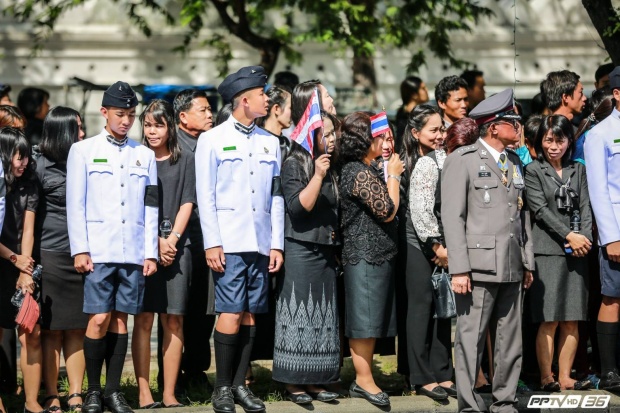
x: 602, y: 153
x: 234, y: 176
x: 106, y: 212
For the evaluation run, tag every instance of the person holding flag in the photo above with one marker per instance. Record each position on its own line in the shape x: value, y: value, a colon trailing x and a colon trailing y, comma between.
x: 369, y: 205
x: 307, y: 294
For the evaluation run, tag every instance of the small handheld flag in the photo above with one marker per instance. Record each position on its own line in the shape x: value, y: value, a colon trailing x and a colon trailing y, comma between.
x: 309, y: 122
x: 379, y: 124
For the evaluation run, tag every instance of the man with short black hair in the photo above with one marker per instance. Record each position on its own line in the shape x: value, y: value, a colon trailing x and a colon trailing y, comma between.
x: 194, y: 116
x: 242, y: 217
x: 562, y: 92
x: 112, y: 205
x: 452, y: 99
x: 601, y: 76
x: 475, y: 86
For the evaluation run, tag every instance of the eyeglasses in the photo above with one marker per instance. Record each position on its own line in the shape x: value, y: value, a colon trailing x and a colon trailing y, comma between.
x: 514, y: 122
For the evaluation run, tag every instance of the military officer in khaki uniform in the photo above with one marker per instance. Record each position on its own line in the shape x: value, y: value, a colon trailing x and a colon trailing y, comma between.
x: 490, y: 255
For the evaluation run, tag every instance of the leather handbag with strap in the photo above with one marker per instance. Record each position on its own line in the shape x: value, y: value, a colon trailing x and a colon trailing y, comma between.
x: 443, y: 296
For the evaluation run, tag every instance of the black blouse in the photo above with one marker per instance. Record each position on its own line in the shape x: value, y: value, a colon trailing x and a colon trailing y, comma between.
x: 24, y: 196
x: 319, y: 226
x: 52, y: 214
x: 366, y: 204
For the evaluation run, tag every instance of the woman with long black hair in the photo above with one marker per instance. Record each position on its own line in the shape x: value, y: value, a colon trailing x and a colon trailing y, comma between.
x: 62, y: 287
x: 307, y: 344
x: 167, y: 292
x: 16, y: 247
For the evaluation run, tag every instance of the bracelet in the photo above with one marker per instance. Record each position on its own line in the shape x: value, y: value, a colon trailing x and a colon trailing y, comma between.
x: 397, y: 177
x: 177, y: 234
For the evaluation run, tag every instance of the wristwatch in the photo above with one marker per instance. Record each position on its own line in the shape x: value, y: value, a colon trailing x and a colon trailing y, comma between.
x: 13, y: 258
x: 177, y: 234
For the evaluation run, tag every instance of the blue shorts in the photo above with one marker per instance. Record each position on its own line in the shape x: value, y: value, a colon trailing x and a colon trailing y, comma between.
x: 112, y: 286
x: 243, y: 286
x: 610, y: 275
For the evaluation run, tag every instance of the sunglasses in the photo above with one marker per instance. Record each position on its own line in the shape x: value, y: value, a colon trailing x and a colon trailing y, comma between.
x: 514, y: 122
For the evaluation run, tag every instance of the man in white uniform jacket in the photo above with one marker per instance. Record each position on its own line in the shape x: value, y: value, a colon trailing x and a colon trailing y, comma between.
x: 112, y: 211
x: 242, y: 218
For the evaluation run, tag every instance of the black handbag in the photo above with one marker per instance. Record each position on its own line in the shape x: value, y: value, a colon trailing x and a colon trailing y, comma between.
x: 443, y: 296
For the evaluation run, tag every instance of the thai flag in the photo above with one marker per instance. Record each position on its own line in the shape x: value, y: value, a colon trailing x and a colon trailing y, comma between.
x: 379, y: 124
x: 309, y: 122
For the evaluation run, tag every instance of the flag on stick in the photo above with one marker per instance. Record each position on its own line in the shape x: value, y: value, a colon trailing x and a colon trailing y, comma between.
x: 309, y: 122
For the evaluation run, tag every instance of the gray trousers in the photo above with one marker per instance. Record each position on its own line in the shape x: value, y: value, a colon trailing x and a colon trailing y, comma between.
x: 489, y: 304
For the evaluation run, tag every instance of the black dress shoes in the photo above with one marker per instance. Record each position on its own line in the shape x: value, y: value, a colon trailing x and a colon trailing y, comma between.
x: 450, y: 390
x: 438, y: 393
x: 299, y: 398
x: 324, y: 396
x: 116, y: 403
x: 551, y: 387
x: 610, y: 381
x: 222, y: 400
x: 379, y: 399
x: 247, y: 400
x: 92, y: 402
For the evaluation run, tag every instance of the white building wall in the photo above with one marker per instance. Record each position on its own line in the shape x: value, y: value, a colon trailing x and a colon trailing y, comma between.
x: 97, y: 43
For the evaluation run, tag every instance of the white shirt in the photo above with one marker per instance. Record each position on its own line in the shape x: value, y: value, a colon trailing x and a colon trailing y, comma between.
x: 234, y: 176
x: 494, y: 153
x: 106, y: 214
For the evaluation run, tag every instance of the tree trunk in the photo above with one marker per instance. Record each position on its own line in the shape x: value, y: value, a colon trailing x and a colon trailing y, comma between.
x: 364, y: 75
x: 269, y: 57
x: 600, y: 12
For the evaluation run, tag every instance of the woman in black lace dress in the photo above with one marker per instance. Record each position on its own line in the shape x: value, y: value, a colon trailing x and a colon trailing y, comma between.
x: 369, y: 205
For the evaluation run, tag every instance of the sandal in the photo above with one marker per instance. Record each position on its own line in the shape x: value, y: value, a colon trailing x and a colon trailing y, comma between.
x: 52, y: 409
x: 77, y: 406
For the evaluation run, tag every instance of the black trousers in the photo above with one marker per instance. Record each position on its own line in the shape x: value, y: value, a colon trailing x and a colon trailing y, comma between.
x: 428, y: 339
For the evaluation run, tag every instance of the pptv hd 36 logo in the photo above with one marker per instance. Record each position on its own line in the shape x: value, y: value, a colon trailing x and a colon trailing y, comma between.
x: 570, y: 401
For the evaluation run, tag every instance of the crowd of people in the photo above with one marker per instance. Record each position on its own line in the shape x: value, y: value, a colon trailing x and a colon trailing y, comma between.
x: 314, y: 236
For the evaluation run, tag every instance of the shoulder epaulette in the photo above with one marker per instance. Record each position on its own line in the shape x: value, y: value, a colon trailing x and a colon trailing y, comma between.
x: 466, y: 149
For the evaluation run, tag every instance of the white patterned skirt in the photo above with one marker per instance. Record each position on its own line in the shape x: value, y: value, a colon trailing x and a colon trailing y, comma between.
x: 307, y: 344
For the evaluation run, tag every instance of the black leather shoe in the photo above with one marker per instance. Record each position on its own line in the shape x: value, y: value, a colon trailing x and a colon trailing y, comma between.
x: 116, y: 403
x: 246, y: 399
x: 485, y: 389
x: 450, y: 390
x: 299, y: 398
x: 610, y: 382
x: 438, y: 393
x: 551, y: 387
x: 92, y: 402
x: 324, y: 396
x: 222, y: 400
x: 582, y: 385
x: 379, y: 399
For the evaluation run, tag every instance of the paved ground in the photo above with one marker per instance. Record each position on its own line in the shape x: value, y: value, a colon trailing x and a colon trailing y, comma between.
x: 399, y: 403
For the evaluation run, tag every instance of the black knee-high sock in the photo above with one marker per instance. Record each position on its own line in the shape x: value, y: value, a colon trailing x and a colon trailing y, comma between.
x: 94, y: 355
x: 116, y: 351
x: 607, y: 334
x: 244, y: 351
x: 225, y: 346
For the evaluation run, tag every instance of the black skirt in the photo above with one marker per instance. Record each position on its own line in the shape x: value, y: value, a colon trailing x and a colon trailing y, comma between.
x: 8, y: 278
x: 62, y: 293
x: 307, y: 343
x: 167, y: 291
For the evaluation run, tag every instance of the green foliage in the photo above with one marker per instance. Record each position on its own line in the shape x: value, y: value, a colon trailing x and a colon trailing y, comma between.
x: 274, y: 26
x: 614, y: 23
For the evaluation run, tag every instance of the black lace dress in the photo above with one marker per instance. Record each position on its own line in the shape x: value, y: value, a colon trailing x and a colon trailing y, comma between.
x: 369, y: 249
